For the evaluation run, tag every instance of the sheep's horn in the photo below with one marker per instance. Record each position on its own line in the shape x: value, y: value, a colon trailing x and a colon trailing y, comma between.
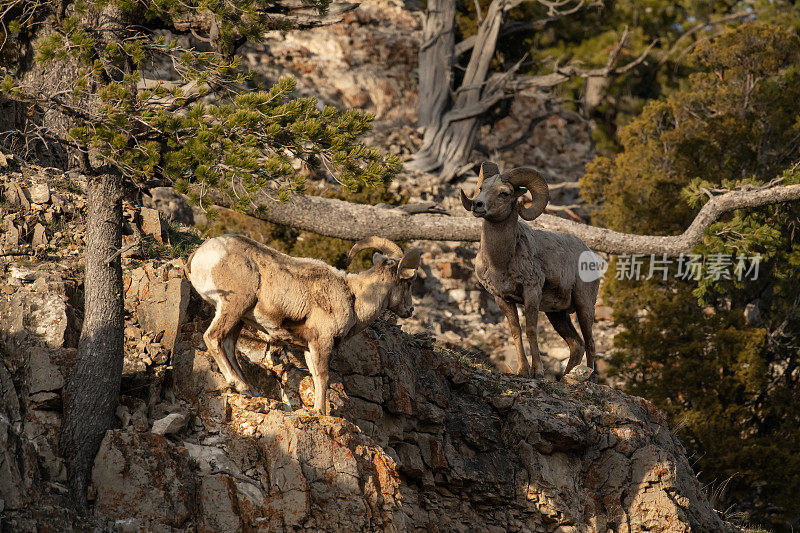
x: 488, y: 169
x: 536, y: 185
x: 385, y: 246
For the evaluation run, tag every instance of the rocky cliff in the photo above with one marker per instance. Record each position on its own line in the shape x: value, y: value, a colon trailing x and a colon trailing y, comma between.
x: 420, y: 438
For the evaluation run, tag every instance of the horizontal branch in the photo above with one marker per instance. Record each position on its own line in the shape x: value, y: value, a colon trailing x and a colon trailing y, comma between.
x: 345, y: 220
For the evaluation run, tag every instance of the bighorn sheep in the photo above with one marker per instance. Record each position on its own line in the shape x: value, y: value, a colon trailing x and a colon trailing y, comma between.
x: 538, y: 269
x: 296, y: 300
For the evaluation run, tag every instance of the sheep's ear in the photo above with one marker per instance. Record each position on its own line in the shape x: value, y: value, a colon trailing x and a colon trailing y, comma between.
x: 377, y: 257
x: 409, y: 264
x: 519, y: 191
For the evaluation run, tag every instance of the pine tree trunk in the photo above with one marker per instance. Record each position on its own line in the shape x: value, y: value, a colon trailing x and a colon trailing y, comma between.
x: 450, y: 136
x: 90, y: 396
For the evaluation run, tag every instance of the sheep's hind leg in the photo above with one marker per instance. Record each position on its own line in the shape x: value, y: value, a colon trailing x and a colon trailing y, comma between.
x: 585, y: 321
x: 510, y: 310
x: 563, y: 326
x: 227, y: 319
x: 229, y: 346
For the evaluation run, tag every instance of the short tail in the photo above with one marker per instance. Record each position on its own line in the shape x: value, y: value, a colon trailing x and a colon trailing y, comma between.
x: 188, y: 268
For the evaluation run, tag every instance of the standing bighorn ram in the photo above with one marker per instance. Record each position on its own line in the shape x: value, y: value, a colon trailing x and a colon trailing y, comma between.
x: 296, y: 300
x: 538, y: 269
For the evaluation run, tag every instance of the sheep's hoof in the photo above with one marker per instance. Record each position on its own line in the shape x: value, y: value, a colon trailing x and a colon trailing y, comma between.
x: 524, y: 372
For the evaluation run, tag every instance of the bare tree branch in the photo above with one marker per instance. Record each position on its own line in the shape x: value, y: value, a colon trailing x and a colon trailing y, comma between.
x: 565, y: 73
x: 345, y: 220
x: 565, y: 185
x: 518, y: 26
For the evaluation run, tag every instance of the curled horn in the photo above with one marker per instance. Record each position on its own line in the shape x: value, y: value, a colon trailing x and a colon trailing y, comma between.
x: 536, y: 185
x: 488, y: 169
x: 385, y: 246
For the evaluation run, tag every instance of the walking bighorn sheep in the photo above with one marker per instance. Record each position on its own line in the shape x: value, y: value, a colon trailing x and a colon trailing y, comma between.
x: 296, y: 300
x: 538, y: 269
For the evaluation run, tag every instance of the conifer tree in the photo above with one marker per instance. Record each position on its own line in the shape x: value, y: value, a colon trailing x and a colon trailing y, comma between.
x: 718, y: 353
x: 81, y: 79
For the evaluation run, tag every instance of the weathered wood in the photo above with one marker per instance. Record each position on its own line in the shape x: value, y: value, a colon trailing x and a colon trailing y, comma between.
x: 345, y: 220
x: 448, y: 141
x: 436, y: 62
x: 448, y: 144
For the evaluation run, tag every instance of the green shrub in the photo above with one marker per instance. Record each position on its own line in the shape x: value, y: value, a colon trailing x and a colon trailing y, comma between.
x: 686, y: 345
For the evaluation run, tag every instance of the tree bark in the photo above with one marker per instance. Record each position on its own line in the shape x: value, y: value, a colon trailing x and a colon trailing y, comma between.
x: 436, y: 62
x: 90, y: 396
x: 345, y: 220
x: 447, y: 142
x: 449, y: 134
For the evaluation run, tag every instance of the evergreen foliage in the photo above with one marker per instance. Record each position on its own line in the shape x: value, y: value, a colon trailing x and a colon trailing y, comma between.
x: 206, y: 124
x: 730, y: 383
x: 587, y: 36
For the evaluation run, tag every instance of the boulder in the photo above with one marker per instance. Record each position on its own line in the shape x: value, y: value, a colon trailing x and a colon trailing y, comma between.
x: 39, y: 193
x: 172, y: 424
x: 11, y: 235
x: 171, y: 204
x: 153, y: 224
x: 580, y: 374
x: 17, y: 196
x: 39, y: 236
x: 159, y: 298
x: 34, y: 330
x: 144, y: 477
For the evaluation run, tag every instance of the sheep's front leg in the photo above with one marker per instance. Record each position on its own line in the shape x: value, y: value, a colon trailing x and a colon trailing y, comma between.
x: 532, y: 298
x: 318, y: 360
x: 510, y: 310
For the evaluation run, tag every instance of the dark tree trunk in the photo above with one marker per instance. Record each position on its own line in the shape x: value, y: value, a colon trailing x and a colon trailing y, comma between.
x: 90, y: 396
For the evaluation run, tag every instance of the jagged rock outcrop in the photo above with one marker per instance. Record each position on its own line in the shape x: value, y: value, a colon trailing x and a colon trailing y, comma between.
x: 420, y: 438
x: 475, y: 449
